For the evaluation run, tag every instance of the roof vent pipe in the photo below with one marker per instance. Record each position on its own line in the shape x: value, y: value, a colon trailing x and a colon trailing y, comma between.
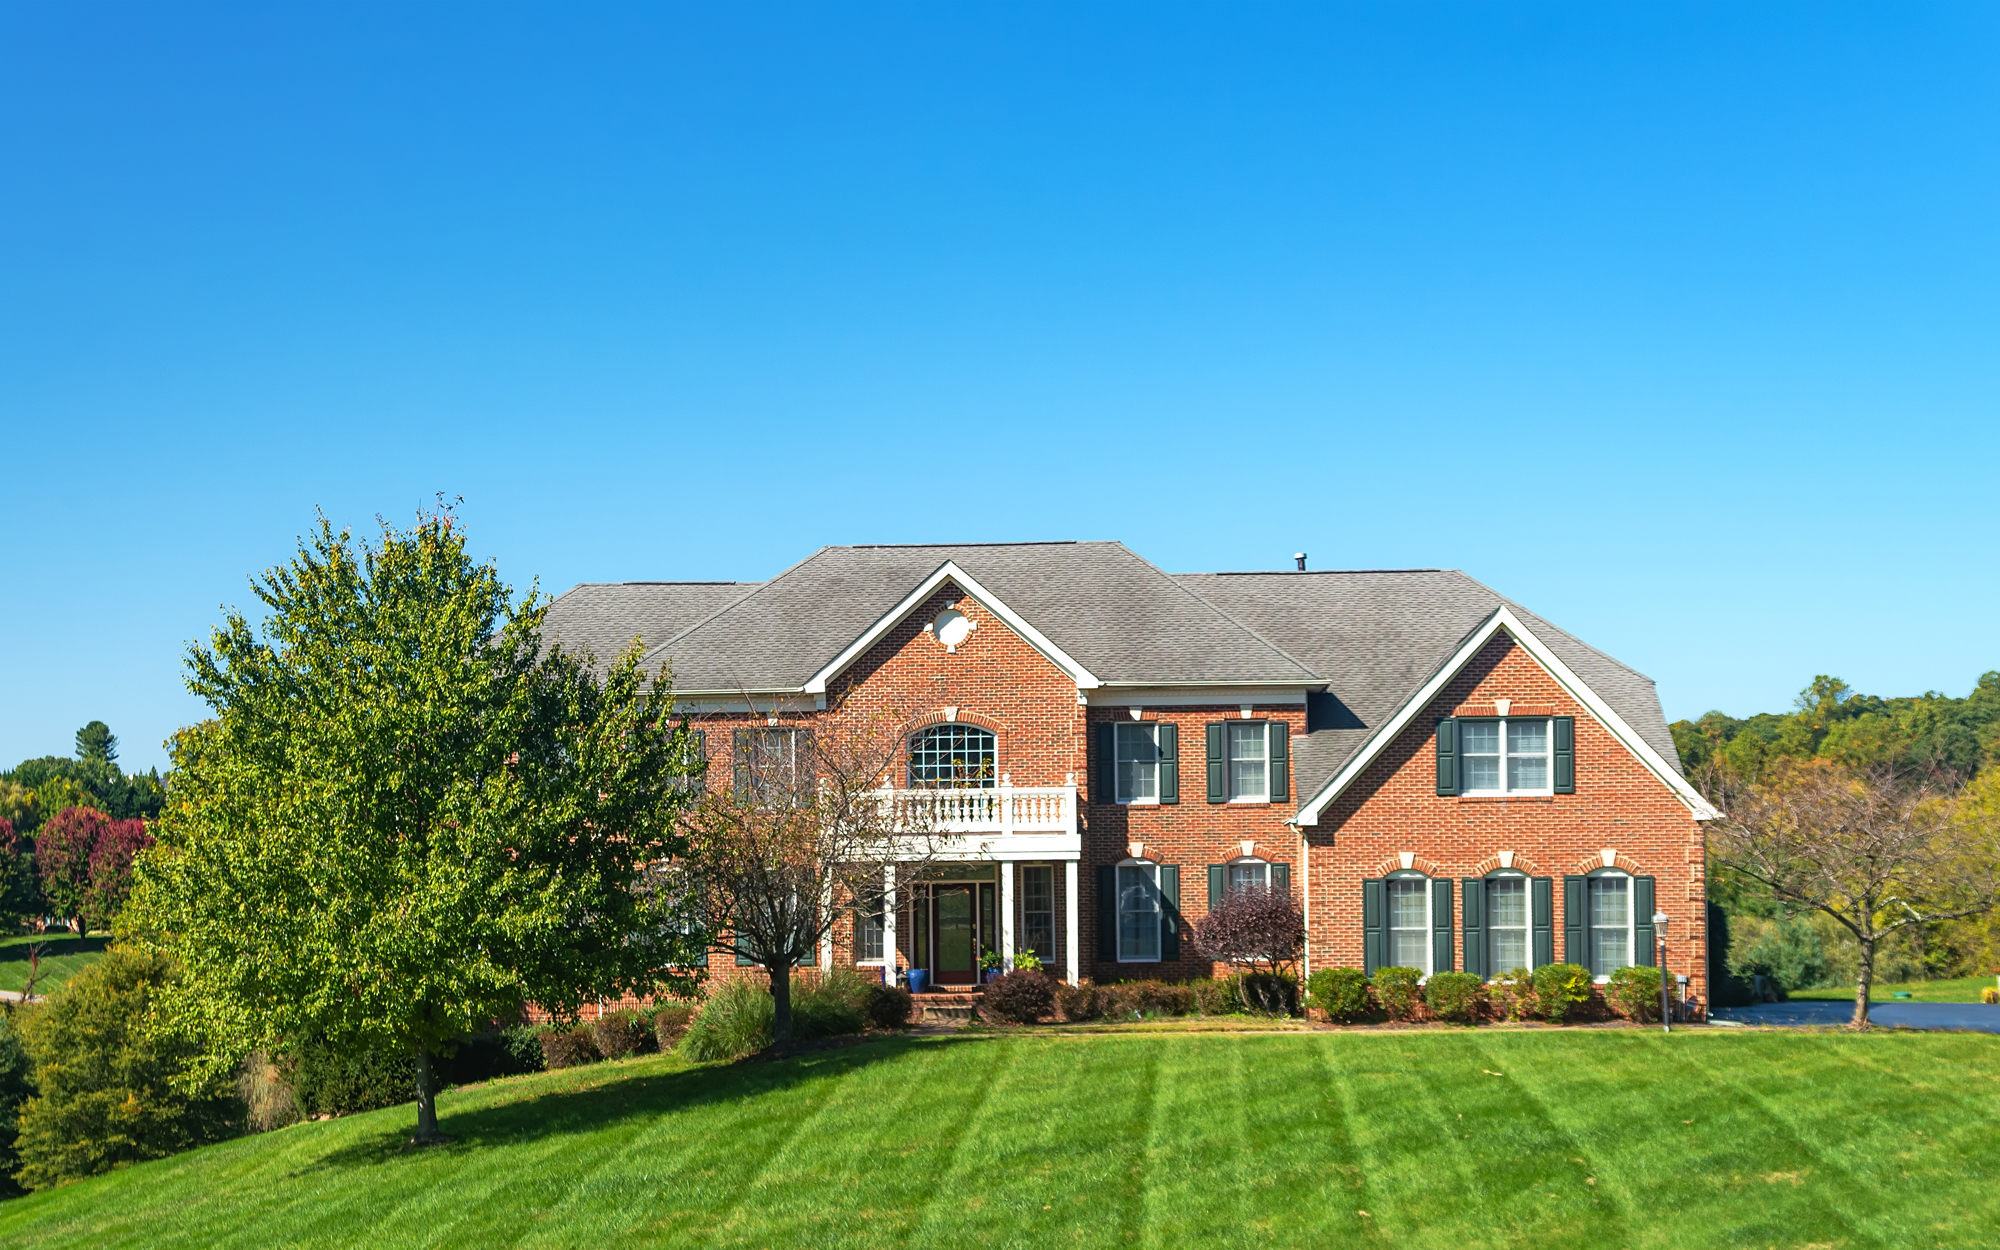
x: 1300, y: 556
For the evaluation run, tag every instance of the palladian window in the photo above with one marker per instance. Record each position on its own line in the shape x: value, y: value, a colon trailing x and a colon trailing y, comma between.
x: 953, y: 756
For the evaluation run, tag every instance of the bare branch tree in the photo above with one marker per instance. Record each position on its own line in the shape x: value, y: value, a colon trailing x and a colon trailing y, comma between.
x: 1878, y: 851
x: 798, y: 838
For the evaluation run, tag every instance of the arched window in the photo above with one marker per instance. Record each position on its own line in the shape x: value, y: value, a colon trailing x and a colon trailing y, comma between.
x: 953, y: 756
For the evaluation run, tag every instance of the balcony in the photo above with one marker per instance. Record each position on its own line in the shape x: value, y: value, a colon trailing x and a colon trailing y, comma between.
x: 1004, y: 822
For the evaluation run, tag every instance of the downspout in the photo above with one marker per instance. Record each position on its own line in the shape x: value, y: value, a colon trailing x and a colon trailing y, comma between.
x: 1306, y: 893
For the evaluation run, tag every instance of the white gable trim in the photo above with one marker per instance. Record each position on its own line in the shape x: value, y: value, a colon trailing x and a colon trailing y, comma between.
x: 1504, y: 619
x: 949, y: 571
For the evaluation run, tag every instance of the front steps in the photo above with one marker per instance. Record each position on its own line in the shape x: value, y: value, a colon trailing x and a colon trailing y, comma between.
x: 948, y: 1008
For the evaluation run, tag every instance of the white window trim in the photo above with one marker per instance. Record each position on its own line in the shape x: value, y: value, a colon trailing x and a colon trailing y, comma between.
x: 1153, y: 867
x: 1527, y: 930
x: 1548, y: 759
x: 1389, y: 931
x: 1238, y: 862
x: 1631, y: 920
x: 1120, y: 727
x: 1229, y: 774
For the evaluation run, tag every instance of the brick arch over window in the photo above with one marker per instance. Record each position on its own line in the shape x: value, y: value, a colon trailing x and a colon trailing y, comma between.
x: 1522, y: 864
x: 1594, y: 862
x: 1394, y: 864
x: 937, y: 717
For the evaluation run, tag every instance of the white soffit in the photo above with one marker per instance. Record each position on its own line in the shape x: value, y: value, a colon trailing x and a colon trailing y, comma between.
x: 1574, y: 686
x: 949, y: 571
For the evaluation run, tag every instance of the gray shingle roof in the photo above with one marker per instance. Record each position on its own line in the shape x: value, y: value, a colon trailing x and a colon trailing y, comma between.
x: 1371, y: 638
x: 1375, y: 637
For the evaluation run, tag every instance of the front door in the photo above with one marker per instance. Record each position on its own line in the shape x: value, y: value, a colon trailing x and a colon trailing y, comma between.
x: 957, y: 952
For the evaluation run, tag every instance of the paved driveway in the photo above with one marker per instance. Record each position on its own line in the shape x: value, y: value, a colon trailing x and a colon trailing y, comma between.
x: 1983, y: 1017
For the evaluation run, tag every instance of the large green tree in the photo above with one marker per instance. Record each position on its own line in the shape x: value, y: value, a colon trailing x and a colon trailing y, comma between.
x: 407, y: 817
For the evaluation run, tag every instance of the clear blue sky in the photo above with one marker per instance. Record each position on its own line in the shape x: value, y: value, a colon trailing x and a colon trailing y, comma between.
x: 1679, y: 323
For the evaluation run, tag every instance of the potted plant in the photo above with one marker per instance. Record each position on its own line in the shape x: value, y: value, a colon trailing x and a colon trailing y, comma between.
x: 989, y: 963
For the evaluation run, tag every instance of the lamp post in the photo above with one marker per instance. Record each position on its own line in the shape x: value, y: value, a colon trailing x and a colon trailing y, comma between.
x: 1660, y: 929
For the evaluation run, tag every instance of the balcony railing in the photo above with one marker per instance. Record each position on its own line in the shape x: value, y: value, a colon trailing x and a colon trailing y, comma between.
x: 1004, y: 809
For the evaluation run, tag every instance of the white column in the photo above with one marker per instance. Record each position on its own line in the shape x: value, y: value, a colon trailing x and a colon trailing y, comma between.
x: 1007, y: 914
x: 1072, y: 948
x: 889, y: 920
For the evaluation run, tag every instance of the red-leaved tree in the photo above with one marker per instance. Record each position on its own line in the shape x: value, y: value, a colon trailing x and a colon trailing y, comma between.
x: 111, y: 869
x: 63, y: 850
x: 1257, y: 926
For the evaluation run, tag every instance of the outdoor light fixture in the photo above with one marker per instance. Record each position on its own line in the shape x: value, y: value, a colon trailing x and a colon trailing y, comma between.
x: 1660, y: 929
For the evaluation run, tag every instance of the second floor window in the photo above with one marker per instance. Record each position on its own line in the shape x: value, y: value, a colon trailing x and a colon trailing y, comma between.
x: 951, y: 756
x: 774, y: 764
x: 1247, y: 756
x: 1505, y: 756
x: 1138, y: 748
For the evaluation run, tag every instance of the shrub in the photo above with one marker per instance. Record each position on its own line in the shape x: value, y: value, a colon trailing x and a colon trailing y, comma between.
x: 735, y: 1019
x: 1077, y: 1002
x: 619, y: 1034
x: 327, y: 1080
x: 1635, y: 992
x: 832, y: 1003
x: 1020, y: 997
x: 889, y: 1007
x: 670, y: 1023
x: 1396, y: 991
x: 1559, y: 990
x: 1342, y: 993
x: 1989, y: 995
x: 1513, y: 995
x: 508, y: 1051
x: 1027, y: 961
x: 15, y: 1089
x: 1453, y: 996
x: 568, y: 1047
x: 1212, y: 997
x: 1253, y: 925
x: 267, y: 1096
x: 110, y: 1093
x: 1267, y: 993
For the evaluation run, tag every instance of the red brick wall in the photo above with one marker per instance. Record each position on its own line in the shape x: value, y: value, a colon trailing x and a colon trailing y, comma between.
x: 1394, y: 807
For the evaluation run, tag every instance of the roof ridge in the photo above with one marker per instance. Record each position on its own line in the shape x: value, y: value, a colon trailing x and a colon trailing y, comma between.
x: 1306, y: 572
x: 1204, y: 600
x: 1036, y: 542
x: 756, y: 588
x: 1546, y: 623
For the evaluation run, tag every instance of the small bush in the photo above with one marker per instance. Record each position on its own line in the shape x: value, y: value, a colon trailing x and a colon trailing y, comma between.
x: 1453, y: 996
x: 568, y: 1048
x: 735, y: 1019
x: 1212, y: 997
x: 1019, y: 997
x: 1027, y: 961
x: 1513, y: 996
x: 1635, y: 993
x: 1396, y: 991
x: 1267, y: 993
x: 1559, y: 990
x: 1342, y: 993
x: 619, y: 1034
x: 1989, y: 995
x: 670, y: 1023
x: 330, y: 1080
x: 496, y: 1052
x: 267, y: 1096
x: 1077, y: 1002
x: 889, y: 1007
x: 1163, y: 998
x: 15, y: 1088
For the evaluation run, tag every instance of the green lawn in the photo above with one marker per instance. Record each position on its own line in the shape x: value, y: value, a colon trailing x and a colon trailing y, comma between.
x: 1575, y: 1138
x: 63, y: 957
x: 1961, y: 990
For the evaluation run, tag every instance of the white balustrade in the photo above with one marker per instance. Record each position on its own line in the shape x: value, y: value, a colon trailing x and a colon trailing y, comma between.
x: 1004, y: 809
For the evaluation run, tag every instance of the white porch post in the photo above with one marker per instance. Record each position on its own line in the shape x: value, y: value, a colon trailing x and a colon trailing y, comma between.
x: 1007, y: 914
x: 889, y: 921
x: 1072, y: 948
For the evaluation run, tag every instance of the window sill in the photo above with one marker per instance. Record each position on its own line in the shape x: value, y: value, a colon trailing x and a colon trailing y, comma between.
x: 1155, y: 959
x: 1136, y: 803
x: 1257, y: 801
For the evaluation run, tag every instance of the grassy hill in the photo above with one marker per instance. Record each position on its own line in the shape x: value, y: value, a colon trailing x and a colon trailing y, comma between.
x: 1447, y: 1139
x: 63, y: 956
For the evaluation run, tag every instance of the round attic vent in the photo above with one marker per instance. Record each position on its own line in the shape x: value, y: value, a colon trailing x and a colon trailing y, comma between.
x: 952, y: 627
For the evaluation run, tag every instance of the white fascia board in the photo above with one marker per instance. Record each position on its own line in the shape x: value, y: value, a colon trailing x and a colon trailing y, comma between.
x: 949, y: 571
x: 1193, y: 694
x: 1574, y: 686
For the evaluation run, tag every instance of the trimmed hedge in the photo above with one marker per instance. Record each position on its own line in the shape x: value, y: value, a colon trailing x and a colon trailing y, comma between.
x: 889, y: 1007
x: 619, y: 1034
x: 1396, y: 992
x: 1635, y: 994
x: 1342, y: 993
x: 1020, y: 997
x: 1560, y: 989
x: 568, y: 1048
x: 1453, y: 996
x: 670, y: 1024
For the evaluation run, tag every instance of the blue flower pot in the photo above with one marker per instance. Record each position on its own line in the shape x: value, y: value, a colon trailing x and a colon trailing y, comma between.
x: 918, y: 979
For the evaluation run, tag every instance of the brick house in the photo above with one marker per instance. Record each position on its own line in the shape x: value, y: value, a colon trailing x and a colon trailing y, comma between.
x: 1441, y: 778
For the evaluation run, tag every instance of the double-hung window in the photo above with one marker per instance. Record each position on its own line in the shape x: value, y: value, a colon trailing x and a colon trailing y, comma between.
x: 1038, y: 910
x: 1138, y: 913
x: 1505, y: 756
x: 869, y: 931
x: 774, y: 765
x: 1507, y: 925
x: 1138, y: 755
x: 1249, y: 874
x: 1249, y: 754
x: 1610, y: 917
x: 1409, y: 900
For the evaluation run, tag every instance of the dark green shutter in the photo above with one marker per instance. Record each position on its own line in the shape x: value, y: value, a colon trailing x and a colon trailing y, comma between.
x: 1281, y: 879
x: 1565, y: 755
x: 1107, y: 913
x: 1474, y: 921
x: 1104, y: 780
x: 1281, y: 762
x: 1441, y: 925
x: 742, y: 761
x: 1373, y: 903
x: 1447, y: 750
x: 1218, y: 884
x: 1218, y: 765
x: 1540, y: 917
x: 1170, y: 911
x: 1642, y: 921
x: 1574, y: 950
x: 1170, y: 763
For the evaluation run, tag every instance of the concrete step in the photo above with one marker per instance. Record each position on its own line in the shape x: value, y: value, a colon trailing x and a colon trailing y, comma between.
x: 953, y: 1008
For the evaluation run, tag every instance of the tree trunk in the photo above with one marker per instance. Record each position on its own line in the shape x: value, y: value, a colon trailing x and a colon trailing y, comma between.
x: 781, y: 999
x: 1862, y: 983
x: 427, y: 1122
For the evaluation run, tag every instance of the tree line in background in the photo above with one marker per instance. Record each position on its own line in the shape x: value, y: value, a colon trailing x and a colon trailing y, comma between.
x: 1859, y: 841
x: 70, y: 830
